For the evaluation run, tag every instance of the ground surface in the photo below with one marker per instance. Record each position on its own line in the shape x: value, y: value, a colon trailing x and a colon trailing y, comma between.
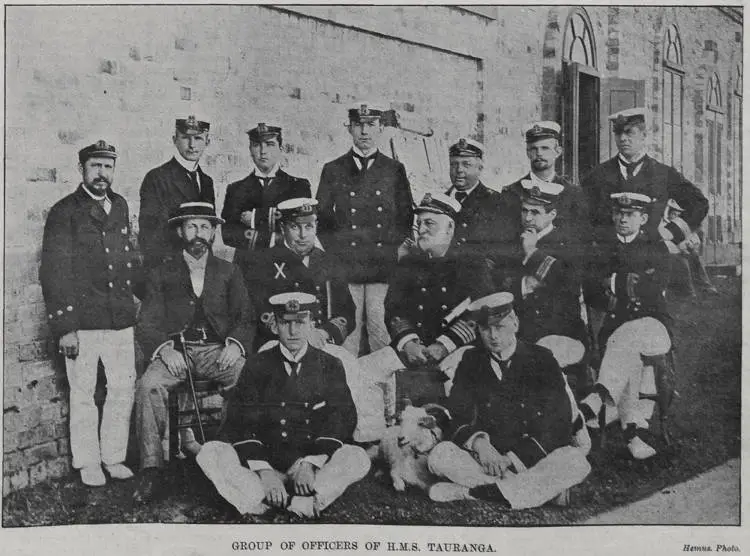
x: 706, y: 433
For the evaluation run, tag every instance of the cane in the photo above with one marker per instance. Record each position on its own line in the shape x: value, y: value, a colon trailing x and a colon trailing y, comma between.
x: 192, y: 388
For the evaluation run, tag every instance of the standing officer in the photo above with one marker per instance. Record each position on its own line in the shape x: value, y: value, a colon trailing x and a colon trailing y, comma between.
x: 485, y: 223
x: 365, y: 213
x: 164, y: 189
x: 543, y: 149
x: 197, y: 317
x: 634, y: 171
x: 299, y: 263
x: 87, y: 274
x: 249, y: 206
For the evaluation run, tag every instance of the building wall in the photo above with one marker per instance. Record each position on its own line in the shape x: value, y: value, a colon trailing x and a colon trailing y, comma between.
x: 75, y: 75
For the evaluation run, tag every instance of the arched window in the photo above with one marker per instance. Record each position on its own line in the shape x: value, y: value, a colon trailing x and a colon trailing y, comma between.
x: 578, y: 44
x: 715, y: 173
x: 672, y: 106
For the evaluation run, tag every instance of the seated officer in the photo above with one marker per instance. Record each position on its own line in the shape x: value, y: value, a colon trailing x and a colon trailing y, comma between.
x: 286, y: 426
x: 512, y: 419
x: 299, y: 263
x: 196, y: 318
x: 430, y: 287
x: 627, y: 279
x: 547, y: 290
x: 249, y: 206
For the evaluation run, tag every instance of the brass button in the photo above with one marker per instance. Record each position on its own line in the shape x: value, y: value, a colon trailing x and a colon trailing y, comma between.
x: 128, y: 265
x: 379, y: 244
x: 69, y: 308
x: 127, y: 282
x: 380, y: 209
x: 443, y: 307
x: 283, y: 421
x: 104, y: 234
x: 424, y: 290
x: 354, y: 226
x: 296, y: 284
x: 419, y: 325
x: 317, y: 288
x: 127, y: 248
x: 307, y: 421
x: 283, y: 404
x: 283, y: 434
x: 111, y: 285
x: 352, y: 193
x: 110, y: 267
x: 465, y: 225
x: 354, y: 210
x: 377, y: 192
x: 443, y: 289
x: 59, y: 312
x: 354, y: 243
x: 378, y: 225
x: 106, y: 249
x: 420, y: 307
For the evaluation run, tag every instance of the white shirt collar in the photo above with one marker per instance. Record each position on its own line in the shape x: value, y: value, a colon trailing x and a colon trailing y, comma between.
x: 467, y: 191
x: 288, y: 355
x: 270, y: 174
x: 189, y: 165
x: 193, y: 262
x: 534, y: 177
x: 362, y: 154
x: 505, y: 356
x: 626, y: 239
x: 638, y: 159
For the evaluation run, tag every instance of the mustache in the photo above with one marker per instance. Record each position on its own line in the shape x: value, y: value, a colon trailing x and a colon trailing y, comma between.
x: 198, y: 241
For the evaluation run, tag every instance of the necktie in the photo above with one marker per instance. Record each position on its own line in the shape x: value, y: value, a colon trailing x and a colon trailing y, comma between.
x: 265, y: 181
x: 363, y: 160
x: 294, y: 367
x: 630, y: 167
x: 194, y: 181
x: 103, y: 203
x: 461, y: 196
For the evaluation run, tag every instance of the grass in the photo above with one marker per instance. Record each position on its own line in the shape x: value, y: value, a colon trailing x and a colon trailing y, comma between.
x: 706, y: 432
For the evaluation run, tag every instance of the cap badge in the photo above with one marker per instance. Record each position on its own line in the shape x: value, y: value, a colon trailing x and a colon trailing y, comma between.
x: 191, y: 122
x: 626, y: 201
x: 536, y: 128
x: 101, y: 144
x: 535, y: 191
x: 306, y: 207
x: 262, y: 128
x: 427, y: 199
x: 292, y: 306
x: 363, y: 110
x: 462, y: 143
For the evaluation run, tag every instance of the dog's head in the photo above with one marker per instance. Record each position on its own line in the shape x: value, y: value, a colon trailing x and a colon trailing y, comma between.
x: 421, y: 428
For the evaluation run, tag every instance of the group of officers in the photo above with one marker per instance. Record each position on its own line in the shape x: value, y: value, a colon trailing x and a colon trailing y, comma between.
x: 328, y: 297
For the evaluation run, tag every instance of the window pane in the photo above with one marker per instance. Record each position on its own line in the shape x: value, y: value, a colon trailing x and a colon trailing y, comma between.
x: 668, y: 94
x: 711, y: 146
x: 719, y: 175
x: 677, y: 147
x: 668, y: 144
x: 711, y: 228
x: 577, y: 53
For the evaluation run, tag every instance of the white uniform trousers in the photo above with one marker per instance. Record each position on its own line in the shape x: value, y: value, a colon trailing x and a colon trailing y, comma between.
x: 622, y: 371
x: 527, y: 488
x: 369, y: 304
x: 116, y: 350
x: 242, y: 487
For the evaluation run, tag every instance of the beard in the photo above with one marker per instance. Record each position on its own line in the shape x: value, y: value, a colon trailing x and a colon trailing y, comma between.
x: 196, y: 246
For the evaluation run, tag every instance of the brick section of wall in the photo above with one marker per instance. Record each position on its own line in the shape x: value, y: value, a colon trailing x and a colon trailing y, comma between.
x: 452, y: 71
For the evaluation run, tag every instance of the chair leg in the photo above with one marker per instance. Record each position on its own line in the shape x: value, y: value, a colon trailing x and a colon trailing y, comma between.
x: 173, y: 424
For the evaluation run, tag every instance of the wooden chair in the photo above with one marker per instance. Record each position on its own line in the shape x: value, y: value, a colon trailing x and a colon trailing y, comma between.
x: 210, y: 406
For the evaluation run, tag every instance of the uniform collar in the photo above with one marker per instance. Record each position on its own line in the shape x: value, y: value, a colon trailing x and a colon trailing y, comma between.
x: 189, y: 165
x: 358, y: 152
x: 640, y: 158
x: 271, y: 174
x: 468, y: 192
x: 545, y: 231
x: 288, y: 355
x: 626, y: 239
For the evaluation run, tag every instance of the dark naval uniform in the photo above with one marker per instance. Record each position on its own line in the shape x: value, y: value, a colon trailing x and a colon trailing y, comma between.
x: 279, y: 269
x: 163, y: 190
x: 364, y: 215
x: 423, y: 291
x: 89, y: 267
x: 484, y: 224
x: 250, y: 194
x: 277, y: 416
x: 657, y: 180
x: 526, y: 412
x: 572, y: 208
x: 554, y: 308
x: 640, y: 270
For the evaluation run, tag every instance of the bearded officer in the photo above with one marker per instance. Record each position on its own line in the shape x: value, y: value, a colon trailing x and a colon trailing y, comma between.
x: 633, y: 170
x: 512, y: 419
x: 299, y: 263
x: 196, y: 313
x: 365, y: 212
x: 249, y: 206
x: 87, y: 274
x: 543, y: 149
x: 284, y: 444
x: 164, y: 189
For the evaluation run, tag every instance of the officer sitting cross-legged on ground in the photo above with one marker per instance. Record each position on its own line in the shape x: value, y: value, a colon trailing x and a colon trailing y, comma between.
x: 197, y: 318
x: 512, y: 419
x: 627, y: 279
x: 283, y: 444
